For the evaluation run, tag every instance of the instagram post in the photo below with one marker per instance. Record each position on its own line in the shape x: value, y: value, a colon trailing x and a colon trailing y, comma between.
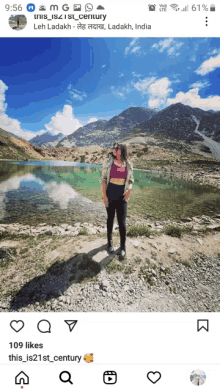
x: 110, y: 176
x: 109, y: 195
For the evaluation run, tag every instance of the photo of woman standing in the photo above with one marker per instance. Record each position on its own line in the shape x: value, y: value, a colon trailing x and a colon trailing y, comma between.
x: 116, y: 181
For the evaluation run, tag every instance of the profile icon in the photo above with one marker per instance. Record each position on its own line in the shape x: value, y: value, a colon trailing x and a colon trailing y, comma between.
x: 198, y: 377
x: 17, y: 22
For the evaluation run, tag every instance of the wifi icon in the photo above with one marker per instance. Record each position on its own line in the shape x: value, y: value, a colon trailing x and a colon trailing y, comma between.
x: 175, y: 7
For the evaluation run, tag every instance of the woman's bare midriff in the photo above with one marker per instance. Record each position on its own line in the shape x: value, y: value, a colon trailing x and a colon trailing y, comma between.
x: 117, y: 181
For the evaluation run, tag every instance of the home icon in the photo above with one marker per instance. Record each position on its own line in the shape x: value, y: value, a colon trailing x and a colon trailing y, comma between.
x: 22, y: 378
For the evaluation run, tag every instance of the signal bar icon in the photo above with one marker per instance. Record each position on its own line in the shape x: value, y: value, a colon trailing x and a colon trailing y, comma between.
x: 186, y: 8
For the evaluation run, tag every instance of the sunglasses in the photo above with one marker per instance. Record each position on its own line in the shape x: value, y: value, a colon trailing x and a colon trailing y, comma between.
x: 117, y: 148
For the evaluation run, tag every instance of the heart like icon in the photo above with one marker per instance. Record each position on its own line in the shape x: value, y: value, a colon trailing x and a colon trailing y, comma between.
x: 17, y: 325
x: 154, y: 377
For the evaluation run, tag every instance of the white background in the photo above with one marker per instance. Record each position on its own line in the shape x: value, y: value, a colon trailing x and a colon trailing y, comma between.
x: 130, y: 344
x: 163, y: 24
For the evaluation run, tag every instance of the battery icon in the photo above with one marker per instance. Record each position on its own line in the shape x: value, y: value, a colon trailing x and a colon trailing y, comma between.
x: 212, y: 7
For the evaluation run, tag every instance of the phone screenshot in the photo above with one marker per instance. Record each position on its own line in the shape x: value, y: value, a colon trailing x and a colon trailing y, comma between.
x: 109, y: 195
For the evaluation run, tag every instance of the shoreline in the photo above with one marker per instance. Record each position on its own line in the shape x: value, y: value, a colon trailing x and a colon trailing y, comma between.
x: 203, y: 176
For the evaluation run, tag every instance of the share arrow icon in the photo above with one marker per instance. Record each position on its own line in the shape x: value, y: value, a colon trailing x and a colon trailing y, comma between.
x: 71, y: 324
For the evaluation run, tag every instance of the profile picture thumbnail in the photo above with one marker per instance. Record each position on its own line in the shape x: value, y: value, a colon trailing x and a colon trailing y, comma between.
x: 198, y: 377
x: 17, y: 22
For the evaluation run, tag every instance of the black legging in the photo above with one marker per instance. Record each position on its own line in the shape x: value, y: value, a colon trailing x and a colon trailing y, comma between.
x: 116, y: 202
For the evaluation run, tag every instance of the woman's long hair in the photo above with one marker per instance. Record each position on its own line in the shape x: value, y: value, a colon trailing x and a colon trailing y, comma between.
x: 124, y: 152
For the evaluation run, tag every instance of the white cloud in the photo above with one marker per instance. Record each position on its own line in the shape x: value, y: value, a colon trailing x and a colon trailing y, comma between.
x: 200, y: 84
x: 143, y: 85
x: 136, y: 74
x: 135, y: 49
x: 13, y: 126
x: 3, y: 88
x: 154, y: 102
x: 10, y: 124
x: 214, y: 51
x: 103, y: 66
x: 158, y: 93
x: 209, y: 65
x: 193, y: 99
x: 157, y: 90
x: 132, y: 47
x: 123, y: 91
x: 63, y: 122
x: 160, y: 88
x: 168, y: 44
x: 163, y: 44
x: 92, y: 120
x: 173, y: 49
x: 75, y: 94
x: 117, y: 93
x: 193, y: 58
x: 121, y: 74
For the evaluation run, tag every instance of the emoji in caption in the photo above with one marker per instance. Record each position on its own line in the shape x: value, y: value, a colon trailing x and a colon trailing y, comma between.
x: 88, y: 357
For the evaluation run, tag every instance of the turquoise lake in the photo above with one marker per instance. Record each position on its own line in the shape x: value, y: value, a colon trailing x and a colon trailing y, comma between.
x: 42, y: 191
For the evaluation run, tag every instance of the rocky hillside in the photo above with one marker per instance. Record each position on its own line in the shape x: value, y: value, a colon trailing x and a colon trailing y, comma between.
x: 175, y: 122
x: 84, y: 133
x: 12, y: 147
x: 129, y: 117
x: 210, y: 126
x: 47, y: 140
x: 171, y: 129
x: 16, y: 148
x: 104, y: 133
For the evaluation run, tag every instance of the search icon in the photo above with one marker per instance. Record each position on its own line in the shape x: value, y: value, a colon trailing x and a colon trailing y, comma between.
x: 65, y: 377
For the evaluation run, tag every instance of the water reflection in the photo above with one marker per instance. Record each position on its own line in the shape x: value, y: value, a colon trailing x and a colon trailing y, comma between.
x: 54, y: 190
x: 19, y: 188
x: 61, y: 193
x: 15, y: 183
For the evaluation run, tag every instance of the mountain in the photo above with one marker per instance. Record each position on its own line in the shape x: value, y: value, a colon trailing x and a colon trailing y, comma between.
x: 13, y: 147
x: 130, y: 117
x: 103, y: 132
x: 45, y: 140
x: 83, y: 135
x: 175, y: 122
x: 210, y: 126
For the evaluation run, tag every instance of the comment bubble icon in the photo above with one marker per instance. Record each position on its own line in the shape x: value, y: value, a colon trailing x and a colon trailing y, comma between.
x: 44, y: 326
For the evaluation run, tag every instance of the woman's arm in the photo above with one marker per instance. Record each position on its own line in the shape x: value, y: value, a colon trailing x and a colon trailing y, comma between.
x: 131, y: 177
x: 103, y: 189
x: 103, y: 182
x: 130, y: 182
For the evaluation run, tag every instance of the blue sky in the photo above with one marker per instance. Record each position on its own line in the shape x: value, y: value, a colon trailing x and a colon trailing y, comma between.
x: 59, y: 85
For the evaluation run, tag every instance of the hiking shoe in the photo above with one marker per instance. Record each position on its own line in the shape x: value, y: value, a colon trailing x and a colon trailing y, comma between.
x: 122, y: 253
x: 110, y: 248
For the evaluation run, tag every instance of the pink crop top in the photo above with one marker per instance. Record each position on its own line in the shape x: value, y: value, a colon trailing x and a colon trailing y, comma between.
x: 118, y: 172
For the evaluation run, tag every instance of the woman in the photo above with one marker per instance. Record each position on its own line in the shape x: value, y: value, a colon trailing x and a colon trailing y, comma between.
x: 116, y: 181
